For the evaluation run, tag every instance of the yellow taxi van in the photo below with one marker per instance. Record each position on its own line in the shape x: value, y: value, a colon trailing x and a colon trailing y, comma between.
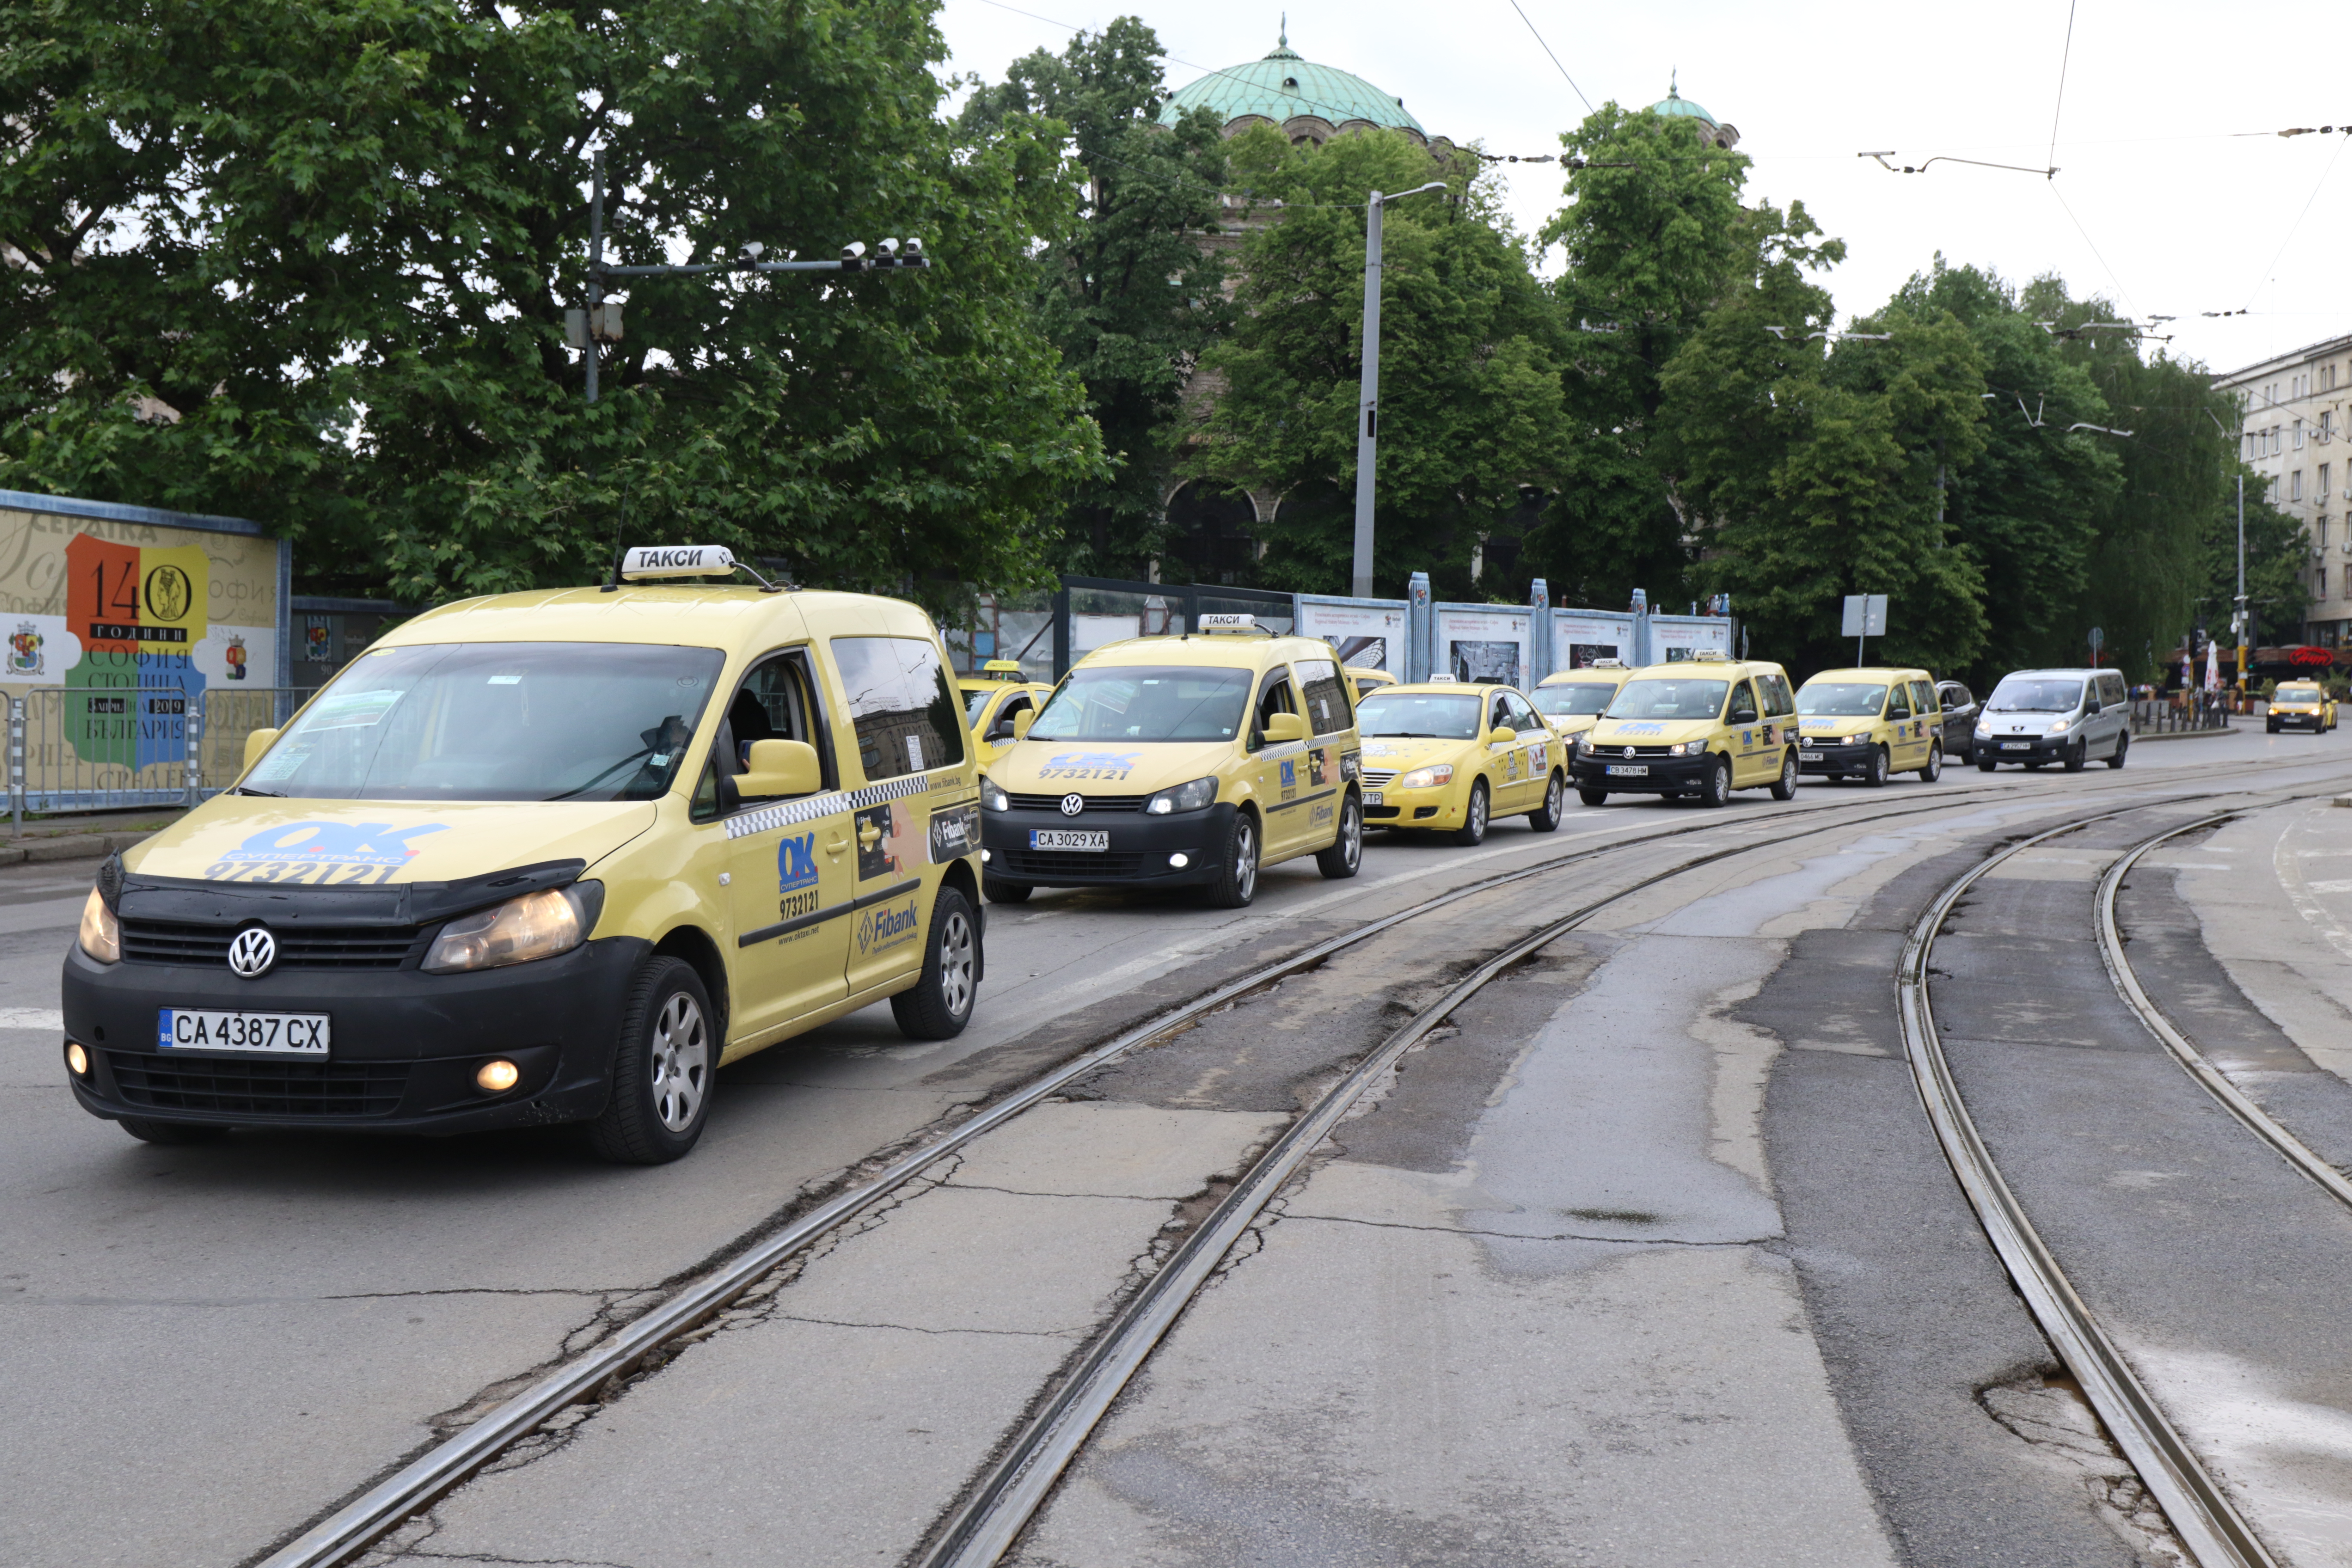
x: 1572, y: 698
x: 548, y: 856
x: 1183, y: 761
x: 1445, y: 757
x: 992, y: 700
x: 2301, y: 704
x: 1697, y: 729
x: 1871, y: 724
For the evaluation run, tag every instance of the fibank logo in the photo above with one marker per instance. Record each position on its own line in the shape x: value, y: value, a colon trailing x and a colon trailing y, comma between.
x: 886, y: 928
x: 345, y: 843
x: 795, y: 863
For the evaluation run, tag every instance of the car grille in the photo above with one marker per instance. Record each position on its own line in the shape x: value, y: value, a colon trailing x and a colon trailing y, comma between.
x: 259, y: 1088
x: 1375, y: 778
x: 1044, y: 865
x: 1093, y: 802
x: 346, y: 947
x: 1616, y: 754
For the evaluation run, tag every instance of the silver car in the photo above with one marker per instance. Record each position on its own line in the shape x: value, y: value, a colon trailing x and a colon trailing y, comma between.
x: 2036, y: 716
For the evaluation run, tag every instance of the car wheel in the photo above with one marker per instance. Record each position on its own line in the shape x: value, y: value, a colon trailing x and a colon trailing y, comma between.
x: 998, y: 891
x: 170, y: 1134
x: 1876, y: 774
x: 1717, y: 791
x: 940, y: 1003
x: 1785, y: 786
x: 1555, y: 805
x: 1591, y: 796
x: 2076, y: 758
x: 1986, y: 764
x: 1340, y: 861
x: 663, y: 1067
x: 1935, y: 768
x: 2270, y: 726
x: 1236, y: 882
x: 1472, y: 831
x: 2123, y: 744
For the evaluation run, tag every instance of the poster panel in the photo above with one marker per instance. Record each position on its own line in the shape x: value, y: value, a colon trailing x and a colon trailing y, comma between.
x: 1582, y: 640
x: 136, y: 620
x: 1483, y: 645
x: 1369, y: 636
x: 1671, y: 642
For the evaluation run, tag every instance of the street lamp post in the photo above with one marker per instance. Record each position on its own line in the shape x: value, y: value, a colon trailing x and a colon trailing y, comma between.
x: 1368, y: 394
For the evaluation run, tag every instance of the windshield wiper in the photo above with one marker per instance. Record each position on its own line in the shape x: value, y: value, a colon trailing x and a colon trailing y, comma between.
x: 272, y: 794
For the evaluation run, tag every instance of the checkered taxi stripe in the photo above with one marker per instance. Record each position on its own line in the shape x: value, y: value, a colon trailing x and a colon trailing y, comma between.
x: 808, y: 808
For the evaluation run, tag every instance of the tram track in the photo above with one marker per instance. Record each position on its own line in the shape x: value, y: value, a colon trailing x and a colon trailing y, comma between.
x: 993, y: 1511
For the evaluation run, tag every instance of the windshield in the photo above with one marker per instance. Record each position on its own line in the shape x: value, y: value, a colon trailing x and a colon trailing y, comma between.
x: 495, y: 721
x: 975, y: 703
x: 1143, y: 703
x: 1574, y: 699
x: 1419, y: 714
x: 1669, y: 699
x: 2015, y: 696
x: 1839, y: 699
x: 2298, y: 694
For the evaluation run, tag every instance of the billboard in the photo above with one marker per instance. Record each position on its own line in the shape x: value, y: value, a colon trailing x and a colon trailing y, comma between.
x: 1672, y: 641
x: 1581, y: 638
x: 1366, y: 634
x: 1481, y: 644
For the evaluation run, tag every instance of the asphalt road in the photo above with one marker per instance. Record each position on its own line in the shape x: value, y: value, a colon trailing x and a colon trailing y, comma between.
x: 1651, y: 1239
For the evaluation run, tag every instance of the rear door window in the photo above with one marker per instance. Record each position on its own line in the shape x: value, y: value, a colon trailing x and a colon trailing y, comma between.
x: 1328, y: 713
x: 1779, y: 701
x: 901, y: 704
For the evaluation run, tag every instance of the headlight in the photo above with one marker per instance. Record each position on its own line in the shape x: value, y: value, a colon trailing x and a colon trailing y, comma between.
x: 2058, y: 726
x: 101, y: 933
x: 1863, y: 740
x: 991, y: 798
x: 1194, y: 796
x: 1983, y: 728
x: 1427, y: 778
x: 537, y: 925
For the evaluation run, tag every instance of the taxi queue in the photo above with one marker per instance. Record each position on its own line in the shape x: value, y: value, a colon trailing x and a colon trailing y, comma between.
x: 557, y: 857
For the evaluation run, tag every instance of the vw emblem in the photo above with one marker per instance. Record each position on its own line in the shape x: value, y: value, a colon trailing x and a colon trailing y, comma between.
x: 252, y: 952
x: 1073, y: 804
x: 1628, y: 752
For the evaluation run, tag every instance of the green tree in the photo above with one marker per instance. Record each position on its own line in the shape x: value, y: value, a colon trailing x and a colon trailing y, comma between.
x: 308, y: 260
x: 1470, y: 404
x: 1131, y: 291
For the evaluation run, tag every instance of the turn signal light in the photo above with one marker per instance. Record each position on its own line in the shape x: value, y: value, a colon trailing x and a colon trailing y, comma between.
x: 77, y: 1060
x: 497, y: 1076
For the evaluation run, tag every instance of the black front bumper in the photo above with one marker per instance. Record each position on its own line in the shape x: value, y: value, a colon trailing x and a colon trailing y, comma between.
x: 404, y: 1045
x: 1838, y: 759
x: 2039, y: 749
x: 1138, y: 856
x: 2311, y: 721
x: 1666, y: 775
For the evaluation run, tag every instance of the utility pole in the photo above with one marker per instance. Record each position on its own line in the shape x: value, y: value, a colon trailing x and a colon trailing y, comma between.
x: 595, y: 267
x: 1368, y: 394
x: 2241, y: 585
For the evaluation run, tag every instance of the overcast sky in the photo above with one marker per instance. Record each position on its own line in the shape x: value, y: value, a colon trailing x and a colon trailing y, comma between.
x: 2174, y: 210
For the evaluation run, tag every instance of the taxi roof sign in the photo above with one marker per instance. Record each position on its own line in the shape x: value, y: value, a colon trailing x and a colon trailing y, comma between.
x: 677, y: 560
x: 1232, y: 621
x: 1707, y: 656
x: 1002, y: 668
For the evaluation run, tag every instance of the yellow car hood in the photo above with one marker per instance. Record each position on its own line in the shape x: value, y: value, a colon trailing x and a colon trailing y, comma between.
x: 255, y: 838
x: 1406, y: 751
x: 1649, y: 732
x: 1106, y: 767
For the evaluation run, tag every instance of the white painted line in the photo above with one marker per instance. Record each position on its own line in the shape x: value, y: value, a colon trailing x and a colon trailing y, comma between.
x: 31, y: 1018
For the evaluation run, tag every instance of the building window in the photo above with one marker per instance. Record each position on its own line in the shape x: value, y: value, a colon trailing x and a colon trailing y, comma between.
x: 2298, y: 434
x: 2319, y: 583
x: 2322, y: 482
x: 2327, y: 424
x: 2295, y: 485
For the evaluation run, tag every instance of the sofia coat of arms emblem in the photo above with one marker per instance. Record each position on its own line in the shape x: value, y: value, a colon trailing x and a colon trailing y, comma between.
x: 24, y: 655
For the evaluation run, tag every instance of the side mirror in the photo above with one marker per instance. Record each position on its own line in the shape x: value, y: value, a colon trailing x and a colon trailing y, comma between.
x: 2091, y: 705
x: 781, y: 767
x: 1283, y: 727
x: 257, y: 746
x: 1502, y: 735
x: 1021, y: 723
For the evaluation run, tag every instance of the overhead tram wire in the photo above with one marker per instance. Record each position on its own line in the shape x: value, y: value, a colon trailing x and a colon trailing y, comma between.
x: 1555, y: 60
x: 2066, y: 55
x: 2297, y: 225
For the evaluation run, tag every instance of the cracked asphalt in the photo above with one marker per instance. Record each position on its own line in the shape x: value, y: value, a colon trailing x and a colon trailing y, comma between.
x: 1646, y: 1257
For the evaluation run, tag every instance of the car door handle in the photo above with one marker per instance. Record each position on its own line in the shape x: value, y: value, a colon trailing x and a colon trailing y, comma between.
x: 836, y: 846
x: 869, y: 834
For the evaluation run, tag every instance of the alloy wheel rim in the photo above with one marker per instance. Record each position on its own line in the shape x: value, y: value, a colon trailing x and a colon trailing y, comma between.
x: 956, y: 965
x: 1477, y: 811
x: 1554, y: 797
x: 1245, y: 845
x: 1351, y: 831
x: 681, y: 1062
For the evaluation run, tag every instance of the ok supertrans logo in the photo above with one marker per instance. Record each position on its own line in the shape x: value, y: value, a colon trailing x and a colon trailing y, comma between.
x: 796, y: 890
x: 1089, y: 766
x: 343, y: 853
x: 879, y: 930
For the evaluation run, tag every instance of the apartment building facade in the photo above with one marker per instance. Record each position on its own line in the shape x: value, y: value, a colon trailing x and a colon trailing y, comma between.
x: 2294, y: 412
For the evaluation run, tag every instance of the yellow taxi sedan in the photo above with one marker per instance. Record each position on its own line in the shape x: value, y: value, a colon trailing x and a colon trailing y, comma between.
x: 1445, y: 757
x: 2301, y: 705
x: 992, y: 700
x: 1574, y: 699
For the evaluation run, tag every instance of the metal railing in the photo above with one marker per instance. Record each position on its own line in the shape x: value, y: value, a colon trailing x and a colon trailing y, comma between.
x: 88, y: 748
x: 2181, y: 713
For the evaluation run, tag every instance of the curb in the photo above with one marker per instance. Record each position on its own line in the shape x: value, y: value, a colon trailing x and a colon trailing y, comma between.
x: 2181, y: 735
x: 68, y: 846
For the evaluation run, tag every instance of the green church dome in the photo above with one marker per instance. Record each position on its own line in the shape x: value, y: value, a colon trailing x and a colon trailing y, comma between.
x: 1675, y: 103
x: 1285, y: 85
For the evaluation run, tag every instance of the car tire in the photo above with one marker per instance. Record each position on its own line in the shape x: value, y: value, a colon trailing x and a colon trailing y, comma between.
x: 664, y: 1063
x: 1236, y: 882
x: 940, y: 1003
x: 1935, y: 768
x: 1346, y: 856
x: 1476, y: 818
x: 1876, y: 776
x: 2270, y: 726
x: 1717, y: 789
x: 1591, y: 796
x: 998, y: 891
x: 1546, y: 818
x: 2123, y: 745
x: 170, y: 1134
x: 1986, y: 764
x: 1785, y: 786
x: 2079, y: 757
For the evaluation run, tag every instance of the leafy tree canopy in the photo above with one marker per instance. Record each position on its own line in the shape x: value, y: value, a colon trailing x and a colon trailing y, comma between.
x: 308, y: 260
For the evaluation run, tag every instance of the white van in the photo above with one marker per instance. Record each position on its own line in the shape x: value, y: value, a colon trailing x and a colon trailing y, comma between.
x: 2037, y: 717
